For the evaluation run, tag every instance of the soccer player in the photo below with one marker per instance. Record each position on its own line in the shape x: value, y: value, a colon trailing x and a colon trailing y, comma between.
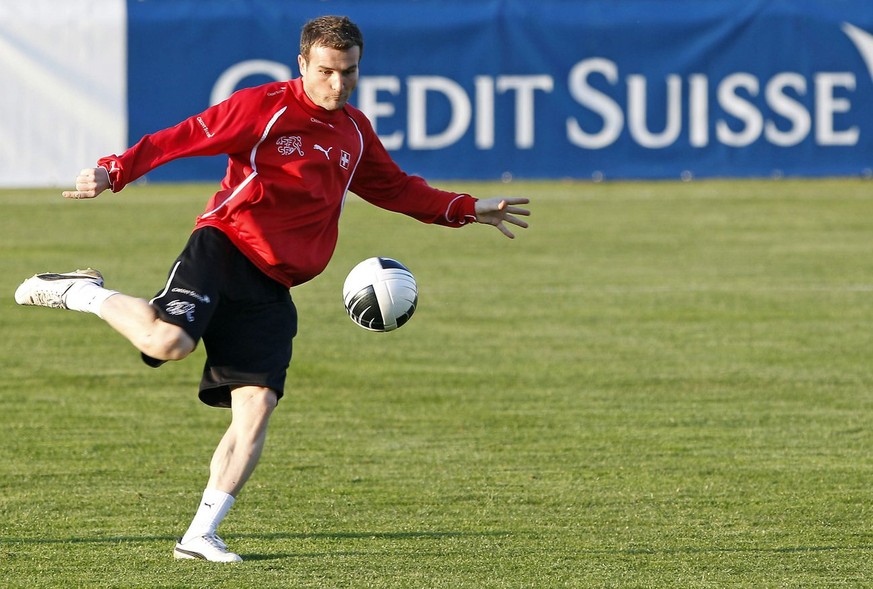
x: 294, y: 150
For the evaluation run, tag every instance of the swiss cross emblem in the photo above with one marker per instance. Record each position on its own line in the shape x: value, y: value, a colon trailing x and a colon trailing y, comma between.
x: 345, y: 159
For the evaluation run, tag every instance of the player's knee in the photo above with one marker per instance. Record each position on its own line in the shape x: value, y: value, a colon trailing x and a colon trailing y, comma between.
x: 262, y: 400
x: 167, y: 342
x: 265, y: 398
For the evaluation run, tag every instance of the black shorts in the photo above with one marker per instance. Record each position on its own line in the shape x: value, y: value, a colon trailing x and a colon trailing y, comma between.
x: 245, y: 318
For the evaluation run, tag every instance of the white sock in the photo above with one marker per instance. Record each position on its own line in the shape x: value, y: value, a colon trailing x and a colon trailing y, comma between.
x: 213, y: 507
x: 87, y: 297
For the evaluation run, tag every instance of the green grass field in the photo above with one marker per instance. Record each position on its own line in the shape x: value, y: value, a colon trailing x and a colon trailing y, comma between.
x: 656, y: 385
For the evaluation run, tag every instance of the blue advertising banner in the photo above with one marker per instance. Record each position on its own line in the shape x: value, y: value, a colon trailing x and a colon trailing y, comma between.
x: 588, y: 89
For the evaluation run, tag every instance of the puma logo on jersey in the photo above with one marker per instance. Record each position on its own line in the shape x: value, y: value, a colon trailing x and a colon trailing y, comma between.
x: 326, y: 152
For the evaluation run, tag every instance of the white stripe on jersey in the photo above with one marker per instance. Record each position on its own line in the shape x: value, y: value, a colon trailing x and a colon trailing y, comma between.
x: 254, y: 173
x: 360, y: 155
x: 264, y: 136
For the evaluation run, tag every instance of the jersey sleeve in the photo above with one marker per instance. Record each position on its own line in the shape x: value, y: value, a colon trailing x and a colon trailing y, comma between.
x: 220, y: 129
x: 380, y: 181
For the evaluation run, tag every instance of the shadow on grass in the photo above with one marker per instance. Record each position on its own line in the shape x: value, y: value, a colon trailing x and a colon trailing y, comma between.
x: 426, y: 535
x: 433, y: 535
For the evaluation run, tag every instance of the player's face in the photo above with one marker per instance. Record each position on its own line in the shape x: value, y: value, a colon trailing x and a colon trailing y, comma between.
x: 330, y: 75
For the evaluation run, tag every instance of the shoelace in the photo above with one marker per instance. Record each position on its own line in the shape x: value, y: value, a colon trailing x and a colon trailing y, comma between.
x: 216, y: 541
x: 46, y: 298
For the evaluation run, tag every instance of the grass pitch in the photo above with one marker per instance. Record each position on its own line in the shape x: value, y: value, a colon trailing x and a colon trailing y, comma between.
x: 656, y: 385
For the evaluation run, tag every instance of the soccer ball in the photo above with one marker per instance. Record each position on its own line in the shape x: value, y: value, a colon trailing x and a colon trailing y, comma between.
x: 380, y: 294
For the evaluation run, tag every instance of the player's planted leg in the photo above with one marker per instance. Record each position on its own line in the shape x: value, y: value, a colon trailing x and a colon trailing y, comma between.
x: 232, y: 464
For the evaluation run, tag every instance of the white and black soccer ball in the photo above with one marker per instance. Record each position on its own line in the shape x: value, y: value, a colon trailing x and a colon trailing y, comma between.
x: 380, y: 294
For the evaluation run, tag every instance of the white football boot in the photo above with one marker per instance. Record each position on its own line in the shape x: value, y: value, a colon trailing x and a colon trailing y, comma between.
x: 210, y: 547
x: 50, y: 289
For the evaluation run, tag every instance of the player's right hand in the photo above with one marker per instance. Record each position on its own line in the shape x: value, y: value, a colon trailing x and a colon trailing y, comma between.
x: 89, y: 183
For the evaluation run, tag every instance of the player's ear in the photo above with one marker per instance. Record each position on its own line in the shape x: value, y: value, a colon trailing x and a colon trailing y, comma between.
x: 301, y: 64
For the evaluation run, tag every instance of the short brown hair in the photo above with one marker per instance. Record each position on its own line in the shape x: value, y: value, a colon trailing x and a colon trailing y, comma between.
x: 336, y: 32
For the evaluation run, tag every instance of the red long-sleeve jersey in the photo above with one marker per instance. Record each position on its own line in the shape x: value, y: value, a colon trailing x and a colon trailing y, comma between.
x: 290, y: 165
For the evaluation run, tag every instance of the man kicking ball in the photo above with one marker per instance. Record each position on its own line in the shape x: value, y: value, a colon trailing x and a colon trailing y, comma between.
x: 294, y: 149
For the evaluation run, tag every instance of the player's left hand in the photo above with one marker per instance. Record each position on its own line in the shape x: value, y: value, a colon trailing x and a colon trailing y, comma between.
x: 499, y: 211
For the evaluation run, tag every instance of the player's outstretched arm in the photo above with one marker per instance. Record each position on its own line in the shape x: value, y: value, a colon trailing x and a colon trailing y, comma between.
x: 499, y: 211
x: 89, y: 183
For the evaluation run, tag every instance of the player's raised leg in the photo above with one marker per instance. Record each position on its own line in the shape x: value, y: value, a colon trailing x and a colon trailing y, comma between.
x: 137, y: 320
x: 58, y: 290
x: 132, y: 317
